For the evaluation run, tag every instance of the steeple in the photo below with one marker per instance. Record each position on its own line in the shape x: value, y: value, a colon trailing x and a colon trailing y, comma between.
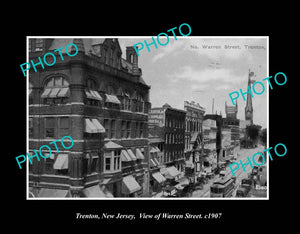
x: 249, y: 107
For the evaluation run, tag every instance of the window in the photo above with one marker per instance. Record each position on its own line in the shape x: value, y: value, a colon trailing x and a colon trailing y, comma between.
x: 63, y: 126
x: 126, y: 102
x: 128, y: 130
x: 106, y: 126
x: 112, y: 129
x: 30, y: 127
x: 56, y: 91
x: 117, y: 160
x: 39, y: 43
x: 85, y: 164
x: 94, y: 161
x: 50, y: 126
x: 30, y: 93
x: 137, y: 131
x: 111, y: 57
x: 107, y: 163
x: 123, y: 129
x: 49, y: 165
x: 36, y: 44
x: 141, y: 130
x: 105, y: 55
x: 112, y: 161
x: 93, y: 98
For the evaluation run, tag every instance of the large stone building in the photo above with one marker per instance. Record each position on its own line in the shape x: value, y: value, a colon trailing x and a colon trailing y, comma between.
x: 102, y: 102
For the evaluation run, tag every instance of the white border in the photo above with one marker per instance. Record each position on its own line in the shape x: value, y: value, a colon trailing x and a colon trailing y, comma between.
x: 141, y: 198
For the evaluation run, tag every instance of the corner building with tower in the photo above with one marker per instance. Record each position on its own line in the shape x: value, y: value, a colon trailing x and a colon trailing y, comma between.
x: 102, y: 102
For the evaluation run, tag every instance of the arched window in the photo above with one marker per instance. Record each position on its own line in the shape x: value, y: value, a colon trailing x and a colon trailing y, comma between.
x: 111, y: 100
x: 92, y: 96
x: 126, y: 101
x: 56, y: 90
x: 140, y: 103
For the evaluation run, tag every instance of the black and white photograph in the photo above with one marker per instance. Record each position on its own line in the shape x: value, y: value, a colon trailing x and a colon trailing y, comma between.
x: 137, y: 118
x: 179, y: 120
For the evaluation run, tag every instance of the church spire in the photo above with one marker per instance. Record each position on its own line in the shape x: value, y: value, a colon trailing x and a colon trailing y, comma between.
x: 249, y: 107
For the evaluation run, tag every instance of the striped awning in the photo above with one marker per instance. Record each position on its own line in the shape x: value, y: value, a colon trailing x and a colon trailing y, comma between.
x: 130, y: 185
x: 92, y: 94
x: 112, y: 99
x: 158, y: 177
x: 61, y: 162
x: 139, y: 154
x: 93, y: 126
x: 55, y: 92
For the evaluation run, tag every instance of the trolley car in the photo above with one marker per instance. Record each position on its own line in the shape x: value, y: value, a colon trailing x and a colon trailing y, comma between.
x: 223, y: 187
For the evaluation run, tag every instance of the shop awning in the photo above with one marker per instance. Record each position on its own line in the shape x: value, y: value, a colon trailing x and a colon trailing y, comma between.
x: 64, y: 92
x: 93, y: 126
x: 92, y: 94
x: 100, y: 128
x: 61, y: 162
x: 172, y: 172
x: 112, y: 145
x: 156, y: 161
x: 93, y: 191
x: 90, y: 127
x: 54, y: 93
x: 158, y: 177
x: 152, y: 163
x: 154, y: 149
x: 112, y: 99
x: 124, y: 156
x: 139, y: 154
x: 46, y: 93
x: 45, y: 192
x: 131, y: 155
x: 129, y: 185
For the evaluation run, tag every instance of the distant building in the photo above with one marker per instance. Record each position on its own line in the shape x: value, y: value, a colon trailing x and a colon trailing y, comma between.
x: 209, y: 157
x: 169, y: 123
x: 193, y: 137
x: 172, y: 122
x: 193, y: 127
x: 232, y: 122
x: 219, y: 124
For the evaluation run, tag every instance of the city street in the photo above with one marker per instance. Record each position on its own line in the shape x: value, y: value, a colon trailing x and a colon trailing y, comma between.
x: 240, y: 174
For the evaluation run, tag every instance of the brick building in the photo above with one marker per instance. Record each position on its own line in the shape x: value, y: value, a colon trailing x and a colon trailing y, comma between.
x: 171, y: 124
x: 101, y: 101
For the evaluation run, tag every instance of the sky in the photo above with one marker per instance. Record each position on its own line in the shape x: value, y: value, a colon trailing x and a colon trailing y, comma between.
x: 201, y: 69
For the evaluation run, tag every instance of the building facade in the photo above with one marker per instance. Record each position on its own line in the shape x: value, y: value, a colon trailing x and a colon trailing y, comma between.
x: 193, y: 138
x: 193, y: 126
x: 169, y: 124
x: 232, y: 123
x: 102, y: 102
